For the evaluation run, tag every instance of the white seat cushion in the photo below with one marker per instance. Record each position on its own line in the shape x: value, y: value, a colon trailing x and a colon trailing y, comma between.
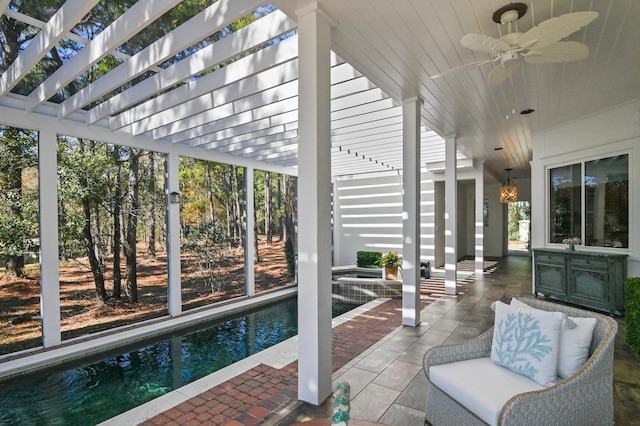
x: 480, y: 385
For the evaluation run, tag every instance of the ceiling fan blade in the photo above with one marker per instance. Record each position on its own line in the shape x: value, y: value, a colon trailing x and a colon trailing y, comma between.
x: 562, y: 51
x: 484, y: 44
x: 462, y: 68
x: 502, y: 72
x: 555, y: 29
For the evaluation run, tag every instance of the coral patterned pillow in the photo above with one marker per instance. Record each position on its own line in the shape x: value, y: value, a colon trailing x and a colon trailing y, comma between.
x: 526, y: 342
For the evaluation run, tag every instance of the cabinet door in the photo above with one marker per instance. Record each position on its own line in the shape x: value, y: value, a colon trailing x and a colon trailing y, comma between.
x: 589, y: 281
x: 551, y: 275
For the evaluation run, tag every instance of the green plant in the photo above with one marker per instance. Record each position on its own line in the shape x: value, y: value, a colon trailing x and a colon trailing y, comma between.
x: 367, y: 259
x: 632, y: 312
x: 390, y: 259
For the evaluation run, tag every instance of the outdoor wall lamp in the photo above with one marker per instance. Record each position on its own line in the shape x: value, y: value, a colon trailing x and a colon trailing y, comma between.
x: 174, y: 198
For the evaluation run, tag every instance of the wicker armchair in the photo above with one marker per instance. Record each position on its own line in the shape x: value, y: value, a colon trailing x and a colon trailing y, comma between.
x: 584, y: 398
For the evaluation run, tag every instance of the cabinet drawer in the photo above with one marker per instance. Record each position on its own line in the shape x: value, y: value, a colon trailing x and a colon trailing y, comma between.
x: 549, y: 257
x: 589, y: 262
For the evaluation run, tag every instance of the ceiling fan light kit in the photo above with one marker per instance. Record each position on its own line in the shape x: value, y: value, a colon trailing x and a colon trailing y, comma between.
x: 540, y: 45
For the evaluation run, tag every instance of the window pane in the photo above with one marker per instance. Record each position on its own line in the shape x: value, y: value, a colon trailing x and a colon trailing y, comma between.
x: 564, y: 202
x: 607, y: 202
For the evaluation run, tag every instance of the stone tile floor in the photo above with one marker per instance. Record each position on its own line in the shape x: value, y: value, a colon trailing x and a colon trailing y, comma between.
x: 382, y: 361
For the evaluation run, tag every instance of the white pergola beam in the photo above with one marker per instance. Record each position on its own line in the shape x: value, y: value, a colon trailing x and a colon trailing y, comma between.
x: 126, y: 26
x: 174, y: 120
x: 207, y: 22
x: 270, y: 125
x: 69, y: 14
x: 274, y: 133
x: 260, y: 61
x: 258, y: 114
x: 233, y: 114
x: 234, y: 44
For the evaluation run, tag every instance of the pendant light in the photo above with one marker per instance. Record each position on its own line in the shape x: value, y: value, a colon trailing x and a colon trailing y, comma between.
x: 508, y: 191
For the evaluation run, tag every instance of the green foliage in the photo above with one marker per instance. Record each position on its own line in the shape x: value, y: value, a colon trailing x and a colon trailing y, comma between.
x: 368, y: 259
x: 290, y: 256
x: 19, y: 194
x: 390, y: 259
x: 632, y: 312
x: 209, y: 248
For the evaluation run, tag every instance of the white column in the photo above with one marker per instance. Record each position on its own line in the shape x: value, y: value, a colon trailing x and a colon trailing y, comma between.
x: 174, y: 290
x: 450, y: 216
x: 314, y: 206
x: 49, y: 269
x: 479, y: 220
x: 428, y: 218
x: 249, y: 254
x: 411, y: 212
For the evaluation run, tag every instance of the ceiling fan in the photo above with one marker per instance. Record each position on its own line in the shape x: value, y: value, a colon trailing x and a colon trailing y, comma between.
x: 540, y: 45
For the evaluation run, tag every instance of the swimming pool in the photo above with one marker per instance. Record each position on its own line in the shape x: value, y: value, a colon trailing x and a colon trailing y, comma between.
x: 104, y: 387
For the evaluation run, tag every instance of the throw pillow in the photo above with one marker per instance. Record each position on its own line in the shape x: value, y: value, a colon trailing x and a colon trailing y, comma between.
x: 526, y: 342
x: 575, y: 343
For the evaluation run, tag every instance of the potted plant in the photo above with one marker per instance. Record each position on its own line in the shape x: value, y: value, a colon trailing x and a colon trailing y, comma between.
x: 390, y: 262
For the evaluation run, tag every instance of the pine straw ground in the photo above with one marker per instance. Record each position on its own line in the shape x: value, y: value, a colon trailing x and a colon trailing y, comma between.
x: 20, y: 322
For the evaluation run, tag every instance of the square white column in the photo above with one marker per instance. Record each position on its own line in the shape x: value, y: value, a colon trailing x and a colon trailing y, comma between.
x: 174, y: 290
x: 314, y: 206
x: 249, y: 234
x: 450, y: 216
x: 411, y: 212
x: 49, y: 267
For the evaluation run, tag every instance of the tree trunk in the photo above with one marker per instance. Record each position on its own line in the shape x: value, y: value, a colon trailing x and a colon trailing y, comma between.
x: 151, y: 246
x: 255, y: 235
x: 91, y: 246
x: 131, y: 287
x: 285, y: 184
x: 210, y: 198
x: 279, y: 208
x: 117, y: 226
x: 268, y: 231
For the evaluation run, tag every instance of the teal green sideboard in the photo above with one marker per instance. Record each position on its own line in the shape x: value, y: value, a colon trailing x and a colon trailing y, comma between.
x: 588, y: 279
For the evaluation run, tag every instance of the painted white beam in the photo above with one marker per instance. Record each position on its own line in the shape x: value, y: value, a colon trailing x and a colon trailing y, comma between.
x: 260, y: 61
x: 203, y: 60
x: 12, y: 116
x: 268, y: 86
x: 248, y: 118
x: 126, y: 26
x: 67, y: 16
x: 207, y: 22
x: 264, y: 136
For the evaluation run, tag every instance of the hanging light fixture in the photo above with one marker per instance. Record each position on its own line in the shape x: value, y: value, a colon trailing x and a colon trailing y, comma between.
x: 508, y: 191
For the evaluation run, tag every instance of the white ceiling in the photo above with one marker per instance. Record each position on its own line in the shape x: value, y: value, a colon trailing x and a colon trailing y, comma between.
x: 386, y: 51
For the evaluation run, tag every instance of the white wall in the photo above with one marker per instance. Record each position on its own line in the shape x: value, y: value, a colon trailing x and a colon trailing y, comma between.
x: 610, y: 132
x: 368, y: 216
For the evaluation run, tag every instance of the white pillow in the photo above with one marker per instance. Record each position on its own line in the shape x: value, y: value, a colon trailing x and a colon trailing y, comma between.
x: 526, y: 342
x: 574, y: 342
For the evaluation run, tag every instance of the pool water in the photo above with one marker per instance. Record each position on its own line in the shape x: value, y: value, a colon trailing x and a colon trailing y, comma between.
x: 100, y: 389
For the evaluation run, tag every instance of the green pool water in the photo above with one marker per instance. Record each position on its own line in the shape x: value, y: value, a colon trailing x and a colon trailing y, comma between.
x: 98, y: 389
